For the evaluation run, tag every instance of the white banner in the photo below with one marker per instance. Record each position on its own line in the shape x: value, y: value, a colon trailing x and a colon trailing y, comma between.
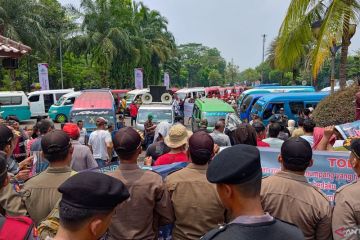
x: 167, y: 80
x: 139, y: 78
x: 43, y: 76
x: 188, y: 108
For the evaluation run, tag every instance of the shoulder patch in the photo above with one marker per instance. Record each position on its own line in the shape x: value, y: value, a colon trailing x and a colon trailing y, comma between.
x: 345, y: 186
x: 321, y: 192
x: 213, y: 233
x: 173, y: 171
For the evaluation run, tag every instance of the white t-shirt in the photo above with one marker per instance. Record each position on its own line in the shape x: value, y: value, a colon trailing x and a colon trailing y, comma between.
x: 97, y: 141
x: 309, y: 139
x: 82, y: 136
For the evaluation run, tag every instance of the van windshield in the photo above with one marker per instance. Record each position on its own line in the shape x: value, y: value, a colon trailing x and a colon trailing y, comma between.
x: 90, y: 119
x: 181, y: 95
x: 130, y: 97
x: 60, y: 101
x: 256, y: 108
x: 159, y: 115
x: 213, y: 117
x: 246, y: 103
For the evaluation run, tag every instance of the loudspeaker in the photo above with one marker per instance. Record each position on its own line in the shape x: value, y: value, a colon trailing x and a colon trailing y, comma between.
x: 156, y: 92
x: 10, y: 63
x: 146, y: 98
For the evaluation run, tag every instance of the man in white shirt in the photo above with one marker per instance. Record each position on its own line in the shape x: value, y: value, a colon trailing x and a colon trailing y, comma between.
x: 309, y: 126
x: 100, y: 143
x: 273, y: 140
x: 83, y: 132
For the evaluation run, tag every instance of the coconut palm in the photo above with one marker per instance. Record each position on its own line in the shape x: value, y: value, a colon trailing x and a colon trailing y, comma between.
x: 296, y: 39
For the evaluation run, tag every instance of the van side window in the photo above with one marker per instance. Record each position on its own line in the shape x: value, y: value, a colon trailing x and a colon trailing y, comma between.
x: 268, y: 111
x: 58, y: 96
x: 313, y: 105
x: 14, y: 100
x: 295, y: 107
x: 34, y: 98
x: 69, y: 101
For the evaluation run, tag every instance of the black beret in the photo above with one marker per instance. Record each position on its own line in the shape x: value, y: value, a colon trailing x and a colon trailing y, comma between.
x: 93, y: 190
x: 235, y: 165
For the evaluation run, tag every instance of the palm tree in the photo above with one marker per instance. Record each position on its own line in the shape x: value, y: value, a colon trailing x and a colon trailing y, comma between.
x: 296, y: 39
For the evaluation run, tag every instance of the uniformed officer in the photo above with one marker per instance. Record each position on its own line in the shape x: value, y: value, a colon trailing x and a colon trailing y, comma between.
x: 149, y: 206
x: 346, y: 215
x: 237, y: 174
x: 87, y: 205
x: 192, y: 195
x: 40, y: 192
x: 288, y: 196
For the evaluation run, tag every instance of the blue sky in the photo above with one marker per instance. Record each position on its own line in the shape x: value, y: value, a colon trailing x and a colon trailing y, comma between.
x: 233, y: 26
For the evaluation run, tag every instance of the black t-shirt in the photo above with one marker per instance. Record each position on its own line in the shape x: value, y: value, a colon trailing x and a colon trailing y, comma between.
x: 157, y: 149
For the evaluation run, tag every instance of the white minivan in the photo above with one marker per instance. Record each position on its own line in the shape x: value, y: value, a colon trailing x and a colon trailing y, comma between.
x: 41, y: 101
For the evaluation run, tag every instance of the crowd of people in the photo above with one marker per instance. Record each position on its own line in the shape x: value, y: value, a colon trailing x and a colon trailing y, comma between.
x: 51, y: 183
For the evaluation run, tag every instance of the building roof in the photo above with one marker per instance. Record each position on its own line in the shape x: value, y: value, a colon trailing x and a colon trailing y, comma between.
x: 12, y: 49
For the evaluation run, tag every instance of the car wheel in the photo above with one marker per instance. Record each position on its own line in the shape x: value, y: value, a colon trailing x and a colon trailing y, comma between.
x: 61, y: 118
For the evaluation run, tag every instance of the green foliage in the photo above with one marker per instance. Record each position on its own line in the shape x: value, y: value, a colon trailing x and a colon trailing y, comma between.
x: 336, y: 109
x: 250, y: 75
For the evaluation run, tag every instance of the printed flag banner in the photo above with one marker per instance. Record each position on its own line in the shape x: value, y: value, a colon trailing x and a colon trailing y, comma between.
x: 349, y: 129
x: 167, y: 80
x: 139, y: 78
x: 43, y: 76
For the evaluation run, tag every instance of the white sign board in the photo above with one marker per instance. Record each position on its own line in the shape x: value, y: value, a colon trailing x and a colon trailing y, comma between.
x: 43, y: 76
x: 188, y: 108
x: 139, y: 78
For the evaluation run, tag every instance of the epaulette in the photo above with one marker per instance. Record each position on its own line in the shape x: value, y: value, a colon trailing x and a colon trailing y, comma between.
x: 321, y: 192
x: 345, y: 186
x: 173, y: 171
x: 213, y: 233
x: 266, y: 176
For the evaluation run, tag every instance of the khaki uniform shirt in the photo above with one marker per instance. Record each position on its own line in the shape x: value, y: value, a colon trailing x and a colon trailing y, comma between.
x: 40, y: 193
x: 11, y: 201
x: 346, y: 215
x: 289, y: 197
x: 148, y: 207
x: 193, y: 197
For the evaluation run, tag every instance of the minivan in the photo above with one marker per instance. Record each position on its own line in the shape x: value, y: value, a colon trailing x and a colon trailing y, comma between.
x: 199, y: 92
x: 213, y: 110
x: 92, y: 104
x: 14, y: 103
x: 135, y: 95
x: 292, y: 103
x: 60, y: 111
x: 41, y: 101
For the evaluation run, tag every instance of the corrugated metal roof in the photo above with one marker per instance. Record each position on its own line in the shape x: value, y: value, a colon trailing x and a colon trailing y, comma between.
x: 10, y: 48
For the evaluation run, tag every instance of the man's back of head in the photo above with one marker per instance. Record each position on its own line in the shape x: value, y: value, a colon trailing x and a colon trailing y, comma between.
x: 56, y: 147
x: 4, y: 180
x: 88, y: 217
x: 72, y: 130
x: 6, y: 138
x: 309, y: 126
x: 296, y: 155
x: 274, y: 130
x: 45, y: 125
x: 127, y: 144
x: 201, y: 148
x: 219, y: 126
x: 259, y: 128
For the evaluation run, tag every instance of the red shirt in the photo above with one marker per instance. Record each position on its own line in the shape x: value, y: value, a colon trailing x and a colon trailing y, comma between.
x: 170, y: 158
x: 260, y: 143
x: 133, y: 110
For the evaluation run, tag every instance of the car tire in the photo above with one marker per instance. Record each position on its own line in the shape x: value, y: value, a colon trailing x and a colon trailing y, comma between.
x: 61, y: 118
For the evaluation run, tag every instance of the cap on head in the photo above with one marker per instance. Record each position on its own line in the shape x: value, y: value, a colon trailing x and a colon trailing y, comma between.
x: 235, y: 165
x: 93, y: 190
x: 150, y: 116
x: 126, y: 140
x: 100, y: 121
x: 281, y: 109
x: 201, y: 146
x: 6, y: 135
x: 72, y: 130
x: 177, y: 136
x: 54, y: 142
x: 259, y: 127
x: 296, y: 151
x: 353, y: 145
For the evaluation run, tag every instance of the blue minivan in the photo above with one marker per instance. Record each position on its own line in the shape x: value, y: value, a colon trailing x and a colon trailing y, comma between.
x: 292, y: 103
x: 246, y: 101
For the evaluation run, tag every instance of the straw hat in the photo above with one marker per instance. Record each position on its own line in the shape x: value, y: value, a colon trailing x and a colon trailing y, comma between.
x: 177, y: 136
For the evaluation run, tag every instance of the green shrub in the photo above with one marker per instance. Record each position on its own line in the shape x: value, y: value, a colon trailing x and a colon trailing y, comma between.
x: 336, y: 109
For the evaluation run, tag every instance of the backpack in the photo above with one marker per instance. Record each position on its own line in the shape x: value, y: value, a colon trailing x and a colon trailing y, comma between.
x: 17, y: 228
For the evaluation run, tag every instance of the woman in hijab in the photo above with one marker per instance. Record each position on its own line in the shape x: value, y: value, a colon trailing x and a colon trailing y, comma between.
x: 245, y: 134
x: 158, y: 147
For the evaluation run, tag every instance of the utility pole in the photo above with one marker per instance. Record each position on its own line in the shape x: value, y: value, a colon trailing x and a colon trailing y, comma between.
x: 61, y: 67
x: 263, y: 57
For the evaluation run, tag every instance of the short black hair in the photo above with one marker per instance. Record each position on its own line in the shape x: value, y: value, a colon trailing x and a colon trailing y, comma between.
x: 44, y: 125
x: 309, y: 125
x: 259, y: 127
x: 307, y: 112
x: 250, y: 189
x: 73, y: 218
x: 219, y: 124
x: 274, y: 130
x: 80, y: 121
x: 298, y: 167
x: 301, y: 121
x: 60, y: 156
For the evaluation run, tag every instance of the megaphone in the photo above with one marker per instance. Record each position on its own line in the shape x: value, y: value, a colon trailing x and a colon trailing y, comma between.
x: 166, y: 98
x: 146, y: 98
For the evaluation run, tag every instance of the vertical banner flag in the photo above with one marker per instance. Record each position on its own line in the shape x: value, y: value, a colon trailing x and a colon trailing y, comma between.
x: 43, y: 76
x: 166, y: 80
x: 139, y: 81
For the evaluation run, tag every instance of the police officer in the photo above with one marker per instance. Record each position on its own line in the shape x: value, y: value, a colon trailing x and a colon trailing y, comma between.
x: 40, y: 192
x: 88, y: 218
x: 346, y: 215
x: 236, y: 171
x: 288, y: 196
x: 149, y: 206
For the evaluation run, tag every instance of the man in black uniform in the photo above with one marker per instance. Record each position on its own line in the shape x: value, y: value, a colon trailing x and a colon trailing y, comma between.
x: 237, y: 174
